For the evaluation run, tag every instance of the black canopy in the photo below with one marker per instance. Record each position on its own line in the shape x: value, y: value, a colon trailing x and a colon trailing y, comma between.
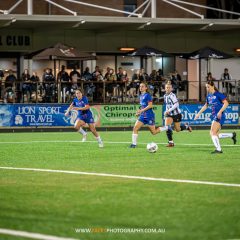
x: 148, y: 51
x: 62, y: 52
x: 207, y: 53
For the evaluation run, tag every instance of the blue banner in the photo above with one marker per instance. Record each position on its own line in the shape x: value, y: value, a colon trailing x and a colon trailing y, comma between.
x: 190, y: 110
x: 6, y: 115
x: 34, y: 115
x: 28, y: 115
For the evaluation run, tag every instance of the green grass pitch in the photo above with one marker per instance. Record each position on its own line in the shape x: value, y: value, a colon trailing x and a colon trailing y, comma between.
x: 59, y: 203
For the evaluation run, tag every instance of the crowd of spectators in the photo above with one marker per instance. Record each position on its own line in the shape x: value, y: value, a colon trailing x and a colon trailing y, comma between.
x: 98, y: 86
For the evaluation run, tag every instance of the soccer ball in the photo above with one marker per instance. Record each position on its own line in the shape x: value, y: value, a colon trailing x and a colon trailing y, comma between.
x: 152, y: 147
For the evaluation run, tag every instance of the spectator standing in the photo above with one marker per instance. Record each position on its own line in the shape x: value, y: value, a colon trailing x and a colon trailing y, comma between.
x: 37, y: 88
x: 225, y: 84
x: 9, y: 87
x: 64, y: 79
x: 26, y: 86
x: 89, y: 88
x: 48, y: 85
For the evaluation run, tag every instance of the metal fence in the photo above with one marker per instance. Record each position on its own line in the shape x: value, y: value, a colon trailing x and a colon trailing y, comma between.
x: 109, y: 91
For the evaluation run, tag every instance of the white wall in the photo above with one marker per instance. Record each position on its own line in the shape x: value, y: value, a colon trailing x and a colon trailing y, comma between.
x: 135, y: 61
x: 193, y: 78
x: 233, y: 64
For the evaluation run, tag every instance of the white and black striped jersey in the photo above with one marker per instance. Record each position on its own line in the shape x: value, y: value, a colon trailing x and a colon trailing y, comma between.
x: 170, y: 100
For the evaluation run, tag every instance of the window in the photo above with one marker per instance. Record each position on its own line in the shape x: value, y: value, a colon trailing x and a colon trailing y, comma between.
x: 130, y: 5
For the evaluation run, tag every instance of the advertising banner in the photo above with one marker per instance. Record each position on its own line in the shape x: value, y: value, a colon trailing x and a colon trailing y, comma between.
x: 47, y: 115
x: 190, y: 110
x: 29, y: 115
x: 6, y: 115
x: 124, y: 115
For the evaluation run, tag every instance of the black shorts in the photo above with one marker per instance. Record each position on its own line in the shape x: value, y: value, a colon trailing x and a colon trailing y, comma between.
x: 176, y: 118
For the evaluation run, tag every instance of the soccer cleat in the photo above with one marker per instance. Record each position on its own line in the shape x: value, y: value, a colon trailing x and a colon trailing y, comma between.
x: 217, y: 152
x: 132, y: 146
x: 234, y: 138
x: 188, y: 127
x: 170, y: 145
x: 100, y: 144
x: 84, y: 138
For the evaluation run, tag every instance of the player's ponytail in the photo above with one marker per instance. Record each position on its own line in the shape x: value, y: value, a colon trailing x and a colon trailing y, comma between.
x: 211, y: 83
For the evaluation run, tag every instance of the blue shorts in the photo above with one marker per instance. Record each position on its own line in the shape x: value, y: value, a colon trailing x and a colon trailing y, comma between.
x: 147, y: 120
x: 87, y: 118
x: 221, y: 120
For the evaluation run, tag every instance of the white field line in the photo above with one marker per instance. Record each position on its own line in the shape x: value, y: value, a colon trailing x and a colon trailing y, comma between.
x: 108, y: 142
x: 31, y: 235
x: 125, y: 176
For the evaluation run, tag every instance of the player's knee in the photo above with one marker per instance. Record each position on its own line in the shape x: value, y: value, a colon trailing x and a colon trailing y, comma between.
x: 213, y: 133
x: 135, y: 130
x: 177, y: 129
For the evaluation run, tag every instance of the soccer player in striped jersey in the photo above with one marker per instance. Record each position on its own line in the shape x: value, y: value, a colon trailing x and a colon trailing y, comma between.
x: 218, y: 103
x: 173, y: 114
x: 80, y: 103
x: 145, y: 115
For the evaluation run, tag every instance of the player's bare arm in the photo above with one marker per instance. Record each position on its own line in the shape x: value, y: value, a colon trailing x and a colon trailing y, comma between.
x: 149, y: 106
x: 201, y: 111
x: 225, y: 105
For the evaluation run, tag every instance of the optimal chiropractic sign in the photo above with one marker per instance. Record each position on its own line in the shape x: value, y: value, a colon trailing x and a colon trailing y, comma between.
x: 47, y: 115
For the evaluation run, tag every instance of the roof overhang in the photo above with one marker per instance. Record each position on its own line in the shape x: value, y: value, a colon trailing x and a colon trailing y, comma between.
x: 103, y: 23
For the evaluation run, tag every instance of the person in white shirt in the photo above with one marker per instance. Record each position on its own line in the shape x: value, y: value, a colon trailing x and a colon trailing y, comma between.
x: 227, y: 76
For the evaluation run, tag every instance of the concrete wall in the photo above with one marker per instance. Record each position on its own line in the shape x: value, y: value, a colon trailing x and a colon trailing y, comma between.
x: 111, y: 41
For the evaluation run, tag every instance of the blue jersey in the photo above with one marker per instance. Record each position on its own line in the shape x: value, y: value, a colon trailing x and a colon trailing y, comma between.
x: 147, y: 117
x: 215, y: 100
x: 85, y: 115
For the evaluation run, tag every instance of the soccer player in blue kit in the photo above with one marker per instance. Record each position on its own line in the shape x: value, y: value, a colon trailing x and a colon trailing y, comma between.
x: 146, y: 115
x: 80, y: 103
x: 219, y: 103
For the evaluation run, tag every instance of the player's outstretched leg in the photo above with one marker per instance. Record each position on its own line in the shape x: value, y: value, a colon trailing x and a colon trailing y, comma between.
x: 233, y: 136
x: 186, y: 127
